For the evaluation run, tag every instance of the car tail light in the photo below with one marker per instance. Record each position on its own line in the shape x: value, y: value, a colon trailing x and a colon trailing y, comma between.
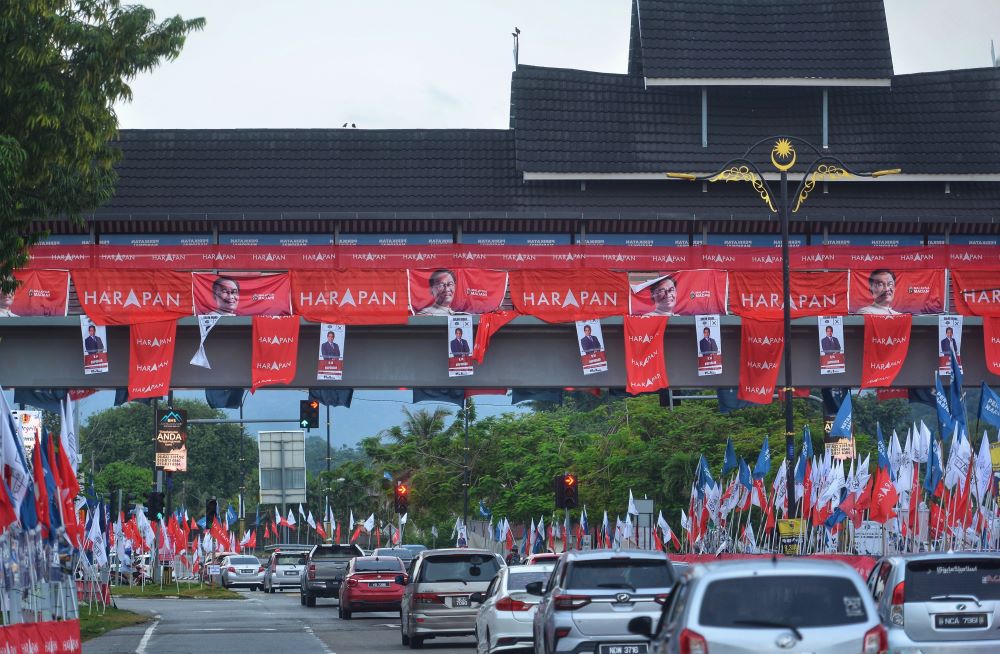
x: 876, y: 641
x: 691, y: 642
x: 662, y: 598
x: 559, y: 634
x: 511, y: 604
x: 311, y: 571
x: 231, y: 569
x: 352, y: 583
x: 896, y: 607
x: 428, y: 598
x: 260, y: 569
x: 570, y: 602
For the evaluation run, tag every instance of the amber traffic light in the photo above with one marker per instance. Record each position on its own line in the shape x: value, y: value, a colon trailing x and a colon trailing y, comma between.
x: 402, y: 498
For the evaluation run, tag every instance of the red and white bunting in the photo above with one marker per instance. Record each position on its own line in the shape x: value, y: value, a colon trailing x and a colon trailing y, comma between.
x: 760, y: 356
x: 645, y: 363
x: 126, y: 297
x: 151, y: 358
x: 275, y: 350
x: 568, y: 296
x: 351, y: 297
x: 887, y: 340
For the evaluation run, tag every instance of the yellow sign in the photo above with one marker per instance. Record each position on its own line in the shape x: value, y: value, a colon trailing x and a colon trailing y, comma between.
x: 995, y: 456
x: 789, y: 534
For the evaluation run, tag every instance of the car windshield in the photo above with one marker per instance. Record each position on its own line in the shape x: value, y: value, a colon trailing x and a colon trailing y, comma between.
x: 626, y: 573
x: 382, y: 565
x: 520, y: 580
x: 244, y: 560
x: 291, y: 559
x: 459, y: 567
x: 947, y: 578
x: 782, y: 601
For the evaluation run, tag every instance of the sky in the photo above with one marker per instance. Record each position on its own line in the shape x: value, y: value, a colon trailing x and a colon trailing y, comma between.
x: 437, y: 63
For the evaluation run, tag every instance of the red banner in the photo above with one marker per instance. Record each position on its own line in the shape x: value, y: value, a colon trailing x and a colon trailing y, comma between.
x: 887, y: 339
x: 566, y: 296
x: 151, y: 355
x: 351, y: 297
x: 275, y: 350
x: 759, y: 294
x: 489, y: 324
x: 444, y: 291
x: 41, y: 293
x: 760, y: 355
x: 991, y: 343
x: 976, y: 293
x: 886, y: 292
x: 128, y: 297
x: 679, y: 293
x: 645, y: 364
x: 243, y: 294
x: 53, y: 636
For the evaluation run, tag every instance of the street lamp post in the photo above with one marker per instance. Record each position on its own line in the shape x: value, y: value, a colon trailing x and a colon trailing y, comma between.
x: 822, y: 168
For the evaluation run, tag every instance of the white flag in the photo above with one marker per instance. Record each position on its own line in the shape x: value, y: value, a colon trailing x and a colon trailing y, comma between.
x: 631, y: 504
x: 369, y: 523
x: 205, y: 325
x: 12, y: 455
x: 310, y: 521
x: 984, y: 468
x: 291, y: 518
x: 67, y: 433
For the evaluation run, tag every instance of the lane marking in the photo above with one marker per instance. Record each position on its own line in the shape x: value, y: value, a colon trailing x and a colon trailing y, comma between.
x: 141, y: 649
x: 309, y: 630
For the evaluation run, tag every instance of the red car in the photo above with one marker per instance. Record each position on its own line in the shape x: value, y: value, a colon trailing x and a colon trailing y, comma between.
x: 370, y: 585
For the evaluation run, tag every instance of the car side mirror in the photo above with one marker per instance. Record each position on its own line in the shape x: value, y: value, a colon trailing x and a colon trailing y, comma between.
x: 641, y: 626
x: 478, y: 598
x: 402, y: 580
x: 534, y: 588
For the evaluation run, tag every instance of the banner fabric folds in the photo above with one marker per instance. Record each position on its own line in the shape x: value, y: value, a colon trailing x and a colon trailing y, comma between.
x: 41, y: 293
x: 275, y: 350
x: 759, y: 294
x: 127, y: 297
x: 489, y: 324
x: 976, y: 292
x: 645, y: 364
x: 351, y: 297
x: 763, y: 343
x: 569, y: 295
x: 151, y: 358
x: 887, y: 340
x: 991, y: 343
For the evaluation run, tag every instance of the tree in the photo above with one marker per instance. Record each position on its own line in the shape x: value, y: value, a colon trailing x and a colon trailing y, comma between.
x: 125, y: 477
x: 66, y: 64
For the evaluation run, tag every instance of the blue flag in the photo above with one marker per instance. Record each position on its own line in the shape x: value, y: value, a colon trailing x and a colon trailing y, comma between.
x: 800, y: 469
x: 989, y: 406
x: 483, y: 511
x: 704, y: 475
x: 763, y: 461
x: 957, y: 397
x: 943, y: 410
x: 883, y: 453
x: 934, y: 471
x: 843, y: 424
x: 807, y: 442
x: 745, y: 477
x: 729, y: 461
x: 387, y: 475
x: 231, y: 514
x: 201, y: 522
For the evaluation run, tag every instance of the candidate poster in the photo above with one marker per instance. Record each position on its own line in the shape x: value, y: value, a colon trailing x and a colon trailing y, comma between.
x: 460, y: 346
x: 591, y: 339
x: 95, y: 352
x: 709, y: 345
x: 443, y: 291
x: 831, y: 345
x: 886, y: 292
x: 171, y: 440
x: 332, y: 340
x: 949, y: 340
x: 243, y: 294
x: 29, y: 425
x: 680, y: 293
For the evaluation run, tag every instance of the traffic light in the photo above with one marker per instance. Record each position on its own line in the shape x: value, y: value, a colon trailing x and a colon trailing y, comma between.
x: 571, y: 493
x: 211, y: 511
x: 560, y: 491
x: 309, y: 414
x: 402, y: 498
x: 154, y: 502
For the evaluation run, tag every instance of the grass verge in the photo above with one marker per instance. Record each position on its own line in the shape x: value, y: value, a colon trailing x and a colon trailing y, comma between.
x: 94, y: 625
x: 187, y: 591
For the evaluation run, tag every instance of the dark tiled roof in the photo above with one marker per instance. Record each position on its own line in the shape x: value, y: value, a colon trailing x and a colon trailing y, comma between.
x: 765, y: 39
x: 306, y: 170
x: 577, y: 121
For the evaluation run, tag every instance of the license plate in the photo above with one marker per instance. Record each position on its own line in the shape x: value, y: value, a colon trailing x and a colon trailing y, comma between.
x: 633, y: 648
x: 960, y: 620
x: 248, y: 572
x: 291, y: 572
x: 460, y: 601
x: 379, y: 584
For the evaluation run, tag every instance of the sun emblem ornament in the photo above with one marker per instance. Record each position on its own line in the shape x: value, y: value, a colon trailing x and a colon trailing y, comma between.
x: 783, y: 154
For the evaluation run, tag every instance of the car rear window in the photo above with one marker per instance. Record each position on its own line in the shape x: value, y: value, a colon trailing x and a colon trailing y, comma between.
x: 782, y: 602
x: 334, y: 552
x: 244, y: 560
x: 928, y: 579
x: 291, y: 559
x: 458, y: 567
x: 406, y: 555
x: 520, y: 580
x: 620, y: 573
x: 383, y: 565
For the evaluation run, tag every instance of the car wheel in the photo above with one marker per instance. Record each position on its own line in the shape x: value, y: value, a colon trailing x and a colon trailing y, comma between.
x: 310, y: 600
x: 302, y: 599
x: 416, y: 642
x: 347, y: 614
x: 404, y: 638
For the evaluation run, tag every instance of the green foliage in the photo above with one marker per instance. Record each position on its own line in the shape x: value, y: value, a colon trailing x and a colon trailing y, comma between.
x: 316, y: 455
x: 125, y: 477
x: 65, y: 64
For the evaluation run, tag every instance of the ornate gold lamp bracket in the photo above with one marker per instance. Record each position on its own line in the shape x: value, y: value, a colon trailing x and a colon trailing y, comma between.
x: 824, y: 172
x: 743, y: 173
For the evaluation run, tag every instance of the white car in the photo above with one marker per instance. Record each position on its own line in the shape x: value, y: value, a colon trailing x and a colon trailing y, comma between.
x: 504, y: 619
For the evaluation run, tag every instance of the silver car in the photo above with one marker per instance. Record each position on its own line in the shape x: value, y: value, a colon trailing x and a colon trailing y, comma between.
x: 939, y: 602
x: 284, y: 570
x: 506, y: 609
x: 590, y: 597
x: 436, y: 600
x: 767, y: 605
x: 241, y: 570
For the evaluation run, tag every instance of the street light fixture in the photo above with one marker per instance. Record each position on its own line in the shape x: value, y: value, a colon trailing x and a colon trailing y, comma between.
x: 784, y: 157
